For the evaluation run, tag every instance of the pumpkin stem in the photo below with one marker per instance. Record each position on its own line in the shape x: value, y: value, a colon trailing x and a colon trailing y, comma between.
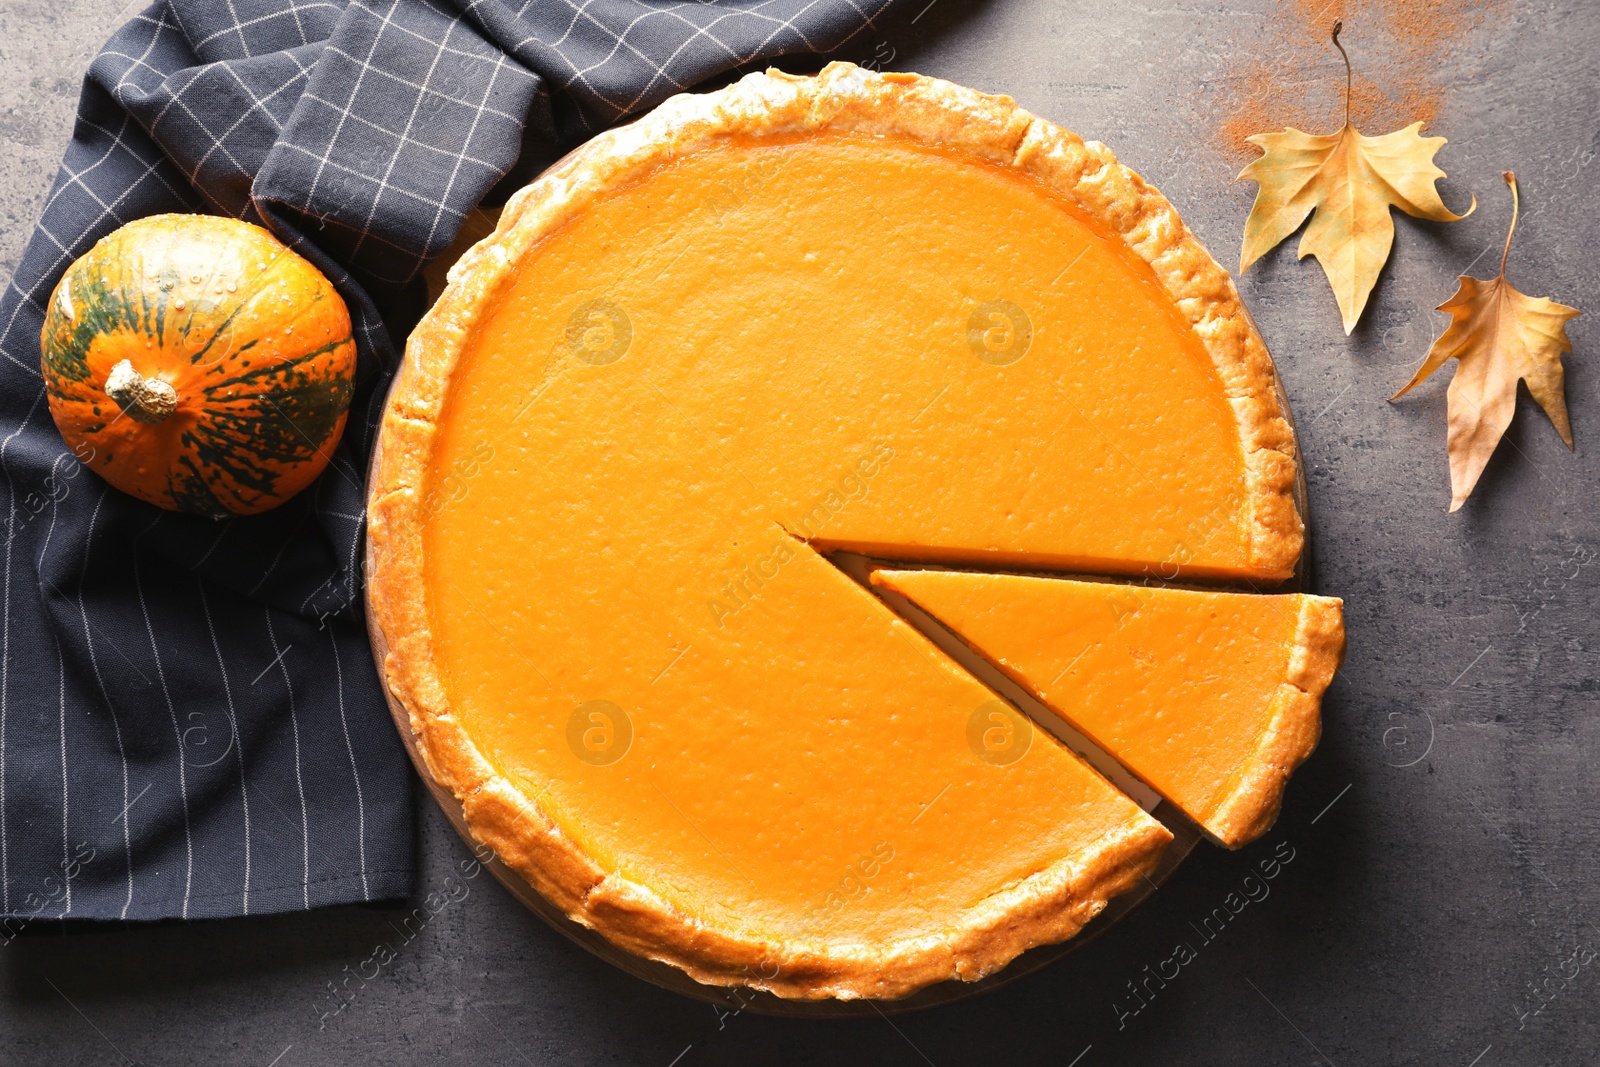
x: 141, y: 399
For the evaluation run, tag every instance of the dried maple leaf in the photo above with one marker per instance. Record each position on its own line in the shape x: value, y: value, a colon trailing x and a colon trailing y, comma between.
x: 1351, y: 181
x: 1497, y: 336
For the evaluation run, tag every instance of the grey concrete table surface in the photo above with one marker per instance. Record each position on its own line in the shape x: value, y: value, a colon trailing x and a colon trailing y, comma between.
x: 1440, y: 905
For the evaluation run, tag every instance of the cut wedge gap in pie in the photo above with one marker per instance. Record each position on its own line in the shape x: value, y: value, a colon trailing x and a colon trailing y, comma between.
x: 871, y: 312
x: 1212, y: 698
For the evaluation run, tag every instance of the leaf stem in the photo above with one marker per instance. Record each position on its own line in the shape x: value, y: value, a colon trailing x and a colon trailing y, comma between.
x: 1338, y: 24
x: 1516, y: 204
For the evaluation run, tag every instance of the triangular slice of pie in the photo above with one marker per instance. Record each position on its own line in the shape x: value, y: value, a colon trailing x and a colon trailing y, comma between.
x: 1212, y: 698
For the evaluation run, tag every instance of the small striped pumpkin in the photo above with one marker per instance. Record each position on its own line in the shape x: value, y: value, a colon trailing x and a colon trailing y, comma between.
x: 195, y: 362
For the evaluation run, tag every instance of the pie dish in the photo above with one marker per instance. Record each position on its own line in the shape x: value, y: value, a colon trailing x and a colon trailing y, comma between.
x: 860, y: 312
x: 1211, y: 697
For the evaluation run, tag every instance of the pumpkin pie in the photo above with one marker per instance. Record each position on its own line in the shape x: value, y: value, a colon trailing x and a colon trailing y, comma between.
x: 1211, y: 697
x: 868, y: 312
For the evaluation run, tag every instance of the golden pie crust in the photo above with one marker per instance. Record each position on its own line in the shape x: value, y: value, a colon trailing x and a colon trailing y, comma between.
x: 1046, y: 906
x: 1252, y: 799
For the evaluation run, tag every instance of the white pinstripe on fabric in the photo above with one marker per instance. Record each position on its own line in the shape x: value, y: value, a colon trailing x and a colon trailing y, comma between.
x: 355, y: 771
x: 299, y: 780
x: 238, y: 741
x: 66, y: 805
x: 177, y: 731
x: 105, y: 697
x: 5, y: 659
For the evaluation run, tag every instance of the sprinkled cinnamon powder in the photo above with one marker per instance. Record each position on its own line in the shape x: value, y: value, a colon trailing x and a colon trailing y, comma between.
x: 1289, y: 74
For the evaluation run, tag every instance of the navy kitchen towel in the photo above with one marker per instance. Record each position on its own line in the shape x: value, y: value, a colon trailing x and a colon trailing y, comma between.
x: 190, y: 721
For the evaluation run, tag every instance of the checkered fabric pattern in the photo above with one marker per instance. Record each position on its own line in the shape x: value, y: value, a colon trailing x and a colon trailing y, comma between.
x: 190, y: 721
